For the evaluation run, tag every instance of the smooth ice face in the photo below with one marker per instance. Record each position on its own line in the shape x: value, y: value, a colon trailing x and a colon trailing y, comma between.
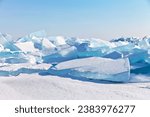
x: 94, y: 68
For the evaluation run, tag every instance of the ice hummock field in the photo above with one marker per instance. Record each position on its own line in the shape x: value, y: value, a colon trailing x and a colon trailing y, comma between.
x: 38, y: 66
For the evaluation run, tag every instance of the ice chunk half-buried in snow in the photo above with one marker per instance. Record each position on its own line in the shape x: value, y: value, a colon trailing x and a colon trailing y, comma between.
x: 94, y: 68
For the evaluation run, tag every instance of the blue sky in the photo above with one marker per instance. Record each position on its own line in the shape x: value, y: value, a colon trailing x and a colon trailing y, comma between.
x: 104, y: 19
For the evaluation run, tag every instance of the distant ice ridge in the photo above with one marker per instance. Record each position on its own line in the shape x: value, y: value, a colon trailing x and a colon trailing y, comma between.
x: 38, y: 47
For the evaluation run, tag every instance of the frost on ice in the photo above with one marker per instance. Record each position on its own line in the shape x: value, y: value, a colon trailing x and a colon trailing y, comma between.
x: 74, y: 57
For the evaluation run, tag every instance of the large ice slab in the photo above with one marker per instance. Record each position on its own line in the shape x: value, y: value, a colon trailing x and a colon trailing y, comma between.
x: 94, y: 68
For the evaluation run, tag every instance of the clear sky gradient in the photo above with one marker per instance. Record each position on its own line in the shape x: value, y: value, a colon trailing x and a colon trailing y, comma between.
x: 104, y: 19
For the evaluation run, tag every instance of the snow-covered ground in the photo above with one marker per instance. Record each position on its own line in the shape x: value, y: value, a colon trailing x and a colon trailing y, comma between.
x: 34, y: 86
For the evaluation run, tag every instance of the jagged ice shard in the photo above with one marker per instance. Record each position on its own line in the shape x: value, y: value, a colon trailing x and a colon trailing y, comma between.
x: 7, y: 45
